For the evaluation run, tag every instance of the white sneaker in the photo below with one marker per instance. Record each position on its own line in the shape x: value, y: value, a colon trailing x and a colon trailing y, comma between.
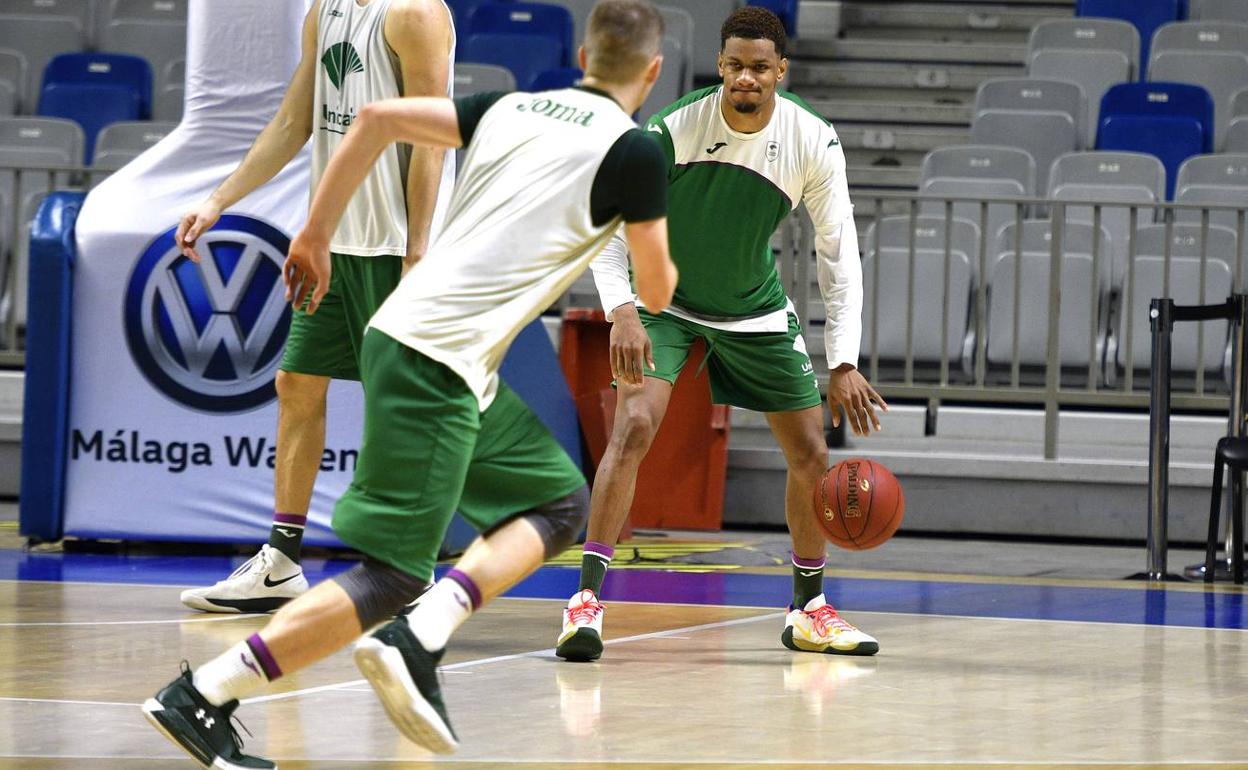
x: 581, y: 639
x: 818, y: 628
x: 263, y: 583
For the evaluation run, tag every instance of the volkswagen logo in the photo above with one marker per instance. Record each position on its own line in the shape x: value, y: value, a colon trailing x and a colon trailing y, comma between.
x: 210, y: 336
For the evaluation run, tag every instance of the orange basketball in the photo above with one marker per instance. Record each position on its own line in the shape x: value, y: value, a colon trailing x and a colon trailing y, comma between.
x: 859, y: 504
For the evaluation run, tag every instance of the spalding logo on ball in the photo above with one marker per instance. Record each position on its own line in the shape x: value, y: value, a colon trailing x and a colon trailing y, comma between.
x: 861, y: 502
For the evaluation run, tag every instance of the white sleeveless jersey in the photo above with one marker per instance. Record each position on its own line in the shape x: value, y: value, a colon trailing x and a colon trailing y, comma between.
x: 357, y: 67
x: 517, y: 235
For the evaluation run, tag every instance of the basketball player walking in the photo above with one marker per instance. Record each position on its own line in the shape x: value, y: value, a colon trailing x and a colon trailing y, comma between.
x: 354, y: 52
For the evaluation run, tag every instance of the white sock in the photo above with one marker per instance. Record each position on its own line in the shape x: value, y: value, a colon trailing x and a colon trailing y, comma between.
x: 442, y: 609
x: 230, y: 676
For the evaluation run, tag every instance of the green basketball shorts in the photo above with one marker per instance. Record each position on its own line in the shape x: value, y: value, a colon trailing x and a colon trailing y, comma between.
x: 327, y: 343
x: 428, y: 450
x: 762, y: 371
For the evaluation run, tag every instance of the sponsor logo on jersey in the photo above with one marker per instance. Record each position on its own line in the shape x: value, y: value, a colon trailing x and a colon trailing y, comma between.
x: 556, y: 111
x: 340, y: 60
x: 718, y: 146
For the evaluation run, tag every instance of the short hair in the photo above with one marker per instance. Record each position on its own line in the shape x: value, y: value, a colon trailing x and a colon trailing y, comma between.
x: 754, y: 23
x: 621, y: 39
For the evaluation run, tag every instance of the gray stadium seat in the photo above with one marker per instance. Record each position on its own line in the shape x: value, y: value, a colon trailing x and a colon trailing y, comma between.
x: 168, y: 11
x: 679, y: 24
x: 1185, y: 289
x: 1222, y: 74
x: 1118, y: 177
x: 1150, y: 241
x: 1077, y: 322
x: 160, y: 42
x: 1239, y: 103
x: 1237, y: 135
x: 1218, y: 10
x: 894, y: 236
x: 707, y: 16
x: 27, y: 143
x: 78, y: 10
x: 1044, y: 117
x: 1204, y: 36
x: 1213, y: 179
x: 670, y: 85
x: 120, y: 143
x: 174, y: 74
x: 1087, y: 34
x: 13, y: 72
x: 977, y: 171
x: 477, y: 78
x: 580, y: 16
x: 168, y: 103
x: 1094, y: 71
x: 8, y: 99
x: 38, y: 39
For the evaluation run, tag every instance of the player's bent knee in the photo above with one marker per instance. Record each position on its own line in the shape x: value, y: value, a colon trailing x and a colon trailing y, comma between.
x: 300, y: 392
x: 560, y: 521
x: 378, y: 590
x: 634, y: 432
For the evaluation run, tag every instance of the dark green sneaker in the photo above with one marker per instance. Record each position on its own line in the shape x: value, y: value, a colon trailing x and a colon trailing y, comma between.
x: 199, y: 728
x: 405, y: 677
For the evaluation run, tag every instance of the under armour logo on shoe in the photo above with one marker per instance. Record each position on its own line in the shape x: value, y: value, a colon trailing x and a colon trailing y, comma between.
x: 202, y: 716
x: 249, y: 664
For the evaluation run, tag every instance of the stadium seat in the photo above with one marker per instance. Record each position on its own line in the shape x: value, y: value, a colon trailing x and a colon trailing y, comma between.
x: 1172, y: 121
x: 31, y: 143
x: 462, y: 10
x: 785, y: 9
x: 160, y: 42
x: 531, y: 19
x: 1040, y: 116
x: 1150, y: 241
x: 670, y: 85
x: 477, y: 78
x: 679, y: 25
x: 1146, y: 15
x: 977, y: 171
x: 1185, y: 287
x: 8, y: 99
x: 1221, y: 74
x: 1083, y: 279
x: 1087, y: 35
x: 13, y: 73
x: 1111, y: 177
x: 560, y: 77
x: 707, y: 15
x: 580, y: 18
x: 526, y: 56
x: 38, y: 39
x: 168, y: 104
x: 78, y: 10
x: 174, y: 74
x: 1203, y: 36
x: 1095, y: 72
x: 167, y: 11
x: 1213, y: 179
x: 1218, y: 10
x: 894, y: 239
x: 95, y: 90
x: 1237, y: 136
x: 121, y: 143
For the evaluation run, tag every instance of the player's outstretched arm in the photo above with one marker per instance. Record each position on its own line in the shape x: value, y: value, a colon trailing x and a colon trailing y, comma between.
x: 275, y: 146
x: 653, y: 269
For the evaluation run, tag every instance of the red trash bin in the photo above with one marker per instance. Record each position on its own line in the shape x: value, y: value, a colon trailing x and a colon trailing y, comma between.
x: 681, y: 481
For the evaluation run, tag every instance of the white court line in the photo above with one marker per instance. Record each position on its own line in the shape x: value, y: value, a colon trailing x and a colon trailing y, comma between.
x: 213, y: 619
x: 548, y: 652
x: 70, y: 702
x: 843, y: 761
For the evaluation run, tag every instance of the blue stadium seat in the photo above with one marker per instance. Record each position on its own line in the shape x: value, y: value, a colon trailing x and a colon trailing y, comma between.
x: 785, y: 9
x: 1172, y: 121
x: 1146, y: 15
x: 462, y: 10
x: 527, y: 56
x: 539, y: 19
x: 563, y: 77
x: 95, y: 89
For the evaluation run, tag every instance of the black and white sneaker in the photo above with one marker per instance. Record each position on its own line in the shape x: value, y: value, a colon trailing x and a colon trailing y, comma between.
x: 263, y: 583
x: 199, y: 728
x: 405, y: 677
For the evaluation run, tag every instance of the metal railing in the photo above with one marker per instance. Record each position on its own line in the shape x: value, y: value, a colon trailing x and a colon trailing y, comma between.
x: 1046, y: 385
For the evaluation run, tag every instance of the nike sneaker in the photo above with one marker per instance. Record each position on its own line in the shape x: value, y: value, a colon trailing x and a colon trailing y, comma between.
x: 581, y: 639
x: 263, y: 583
x: 818, y: 628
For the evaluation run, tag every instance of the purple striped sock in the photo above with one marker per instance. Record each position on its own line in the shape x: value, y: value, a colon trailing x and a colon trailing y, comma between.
x: 468, y: 585
x: 599, y: 549
x: 267, y: 662
x: 808, y: 563
x: 290, y: 519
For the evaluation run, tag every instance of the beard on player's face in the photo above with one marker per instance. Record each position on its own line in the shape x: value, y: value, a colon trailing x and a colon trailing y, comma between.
x: 745, y: 108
